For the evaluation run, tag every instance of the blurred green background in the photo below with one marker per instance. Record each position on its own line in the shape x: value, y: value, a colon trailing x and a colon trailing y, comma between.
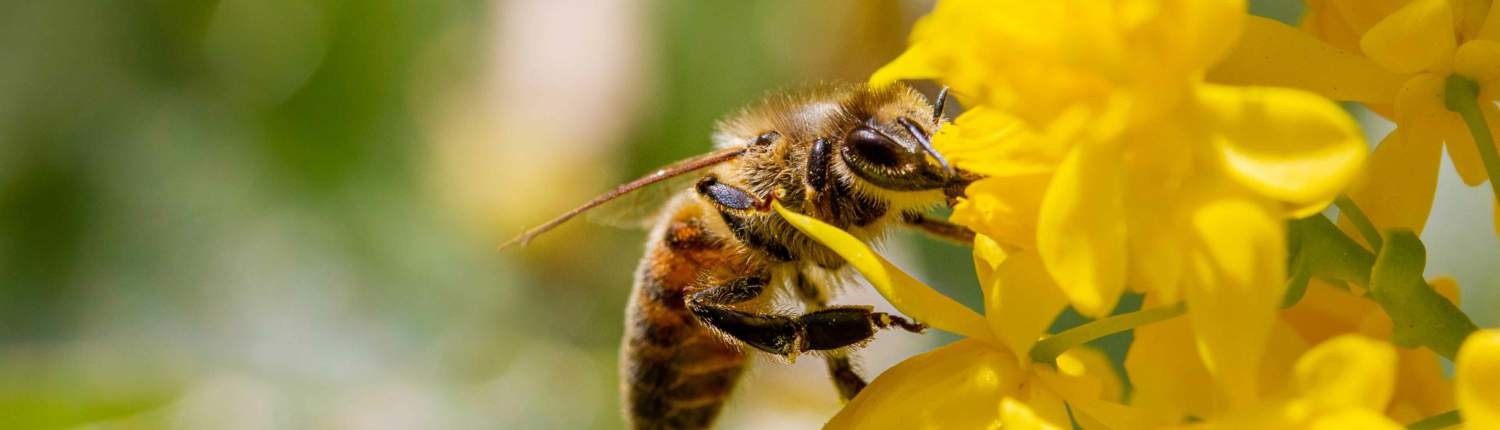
x: 283, y: 213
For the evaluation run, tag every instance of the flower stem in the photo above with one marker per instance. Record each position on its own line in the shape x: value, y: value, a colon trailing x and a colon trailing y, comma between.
x: 1047, y: 350
x: 1435, y: 422
x: 1461, y: 95
x: 1361, y: 222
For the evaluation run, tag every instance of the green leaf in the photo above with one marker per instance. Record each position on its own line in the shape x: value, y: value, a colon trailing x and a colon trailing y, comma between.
x: 1421, y: 316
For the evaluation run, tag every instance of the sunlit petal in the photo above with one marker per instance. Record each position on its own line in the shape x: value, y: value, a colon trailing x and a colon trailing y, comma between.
x: 1400, y: 182
x: 1348, y: 371
x: 1417, y: 37
x: 956, y: 386
x: 1290, y: 145
x: 1020, y: 300
x: 1167, y: 376
x: 907, y: 294
x: 1003, y: 208
x: 1476, y: 373
x: 1236, y: 287
x: 1081, y: 231
x: 1016, y: 415
x: 1273, y: 54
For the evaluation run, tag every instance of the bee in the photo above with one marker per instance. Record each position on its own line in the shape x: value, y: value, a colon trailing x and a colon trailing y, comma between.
x: 856, y: 157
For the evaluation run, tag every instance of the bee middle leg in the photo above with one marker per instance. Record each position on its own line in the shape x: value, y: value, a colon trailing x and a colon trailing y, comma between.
x: 820, y: 330
x: 840, y: 366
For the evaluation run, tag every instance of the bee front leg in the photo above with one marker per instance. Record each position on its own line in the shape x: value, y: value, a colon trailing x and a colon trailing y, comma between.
x: 788, y: 336
x: 939, y: 228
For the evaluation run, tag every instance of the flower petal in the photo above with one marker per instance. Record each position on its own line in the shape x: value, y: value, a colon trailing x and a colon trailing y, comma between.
x: 1290, y: 145
x: 1417, y: 37
x: 1479, y: 60
x: 1348, y: 371
x: 915, y: 63
x: 1273, y: 54
x: 1003, y: 208
x: 1016, y: 415
x: 956, y: 386
x: 1020, y: 300
x: 1167, y: 376
x: 1081, y: 229
x: 1238, y: 273
x: 987, y: 141
x: 907, y: 294
x: 1476, y: 371
x: 1400, y: 184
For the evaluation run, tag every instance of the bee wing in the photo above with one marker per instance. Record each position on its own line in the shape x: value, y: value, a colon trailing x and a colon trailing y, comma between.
x: 640, y: 208
x: 659, y: 182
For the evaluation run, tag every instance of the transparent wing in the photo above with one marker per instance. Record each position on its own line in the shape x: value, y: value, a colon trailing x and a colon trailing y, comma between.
x: 641, y: 208
x: 670, y: 173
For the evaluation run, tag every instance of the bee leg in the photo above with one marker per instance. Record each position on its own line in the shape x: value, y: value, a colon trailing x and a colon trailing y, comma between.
x: 840, y: 364
x: 820, y: 330
x: 939, y: 228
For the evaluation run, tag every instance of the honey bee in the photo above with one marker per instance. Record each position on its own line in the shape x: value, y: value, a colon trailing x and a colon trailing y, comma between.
x: 856, y: 157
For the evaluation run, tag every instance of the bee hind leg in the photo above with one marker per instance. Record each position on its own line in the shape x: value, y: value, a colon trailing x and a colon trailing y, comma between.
x: 841, y: 370
x: 820, y: 330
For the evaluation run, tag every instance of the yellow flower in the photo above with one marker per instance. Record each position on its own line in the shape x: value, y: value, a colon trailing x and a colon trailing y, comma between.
x: 1476, y: 371
x: 986, y: 379
x: 1344, y: 382
x: 1113, y: 161
x: 1170, y: 380
x: 1393, y: 56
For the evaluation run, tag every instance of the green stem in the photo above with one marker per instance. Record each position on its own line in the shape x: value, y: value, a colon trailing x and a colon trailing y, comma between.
x: 1435, y: 422
x: 1047, y: 350
x: 1360, y: 221
x: 1461, y: 95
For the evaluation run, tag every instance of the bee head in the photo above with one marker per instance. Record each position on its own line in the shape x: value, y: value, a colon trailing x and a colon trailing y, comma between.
x: 896, y: 155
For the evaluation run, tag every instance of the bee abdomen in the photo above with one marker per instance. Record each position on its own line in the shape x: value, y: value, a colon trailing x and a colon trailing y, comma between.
x: 676, y: 373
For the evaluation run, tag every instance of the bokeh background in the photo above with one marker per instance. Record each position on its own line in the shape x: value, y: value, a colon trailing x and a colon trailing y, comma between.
x: 245, y: 214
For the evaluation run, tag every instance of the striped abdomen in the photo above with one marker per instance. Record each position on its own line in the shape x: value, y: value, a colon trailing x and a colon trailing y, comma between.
x: 675, y: 372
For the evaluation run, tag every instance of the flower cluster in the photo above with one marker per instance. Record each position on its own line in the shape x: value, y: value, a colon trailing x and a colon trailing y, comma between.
x: 1184, y: 150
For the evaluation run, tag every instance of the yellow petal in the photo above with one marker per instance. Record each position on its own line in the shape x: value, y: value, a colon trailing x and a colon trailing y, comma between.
x: 1167, y: 376
x: 1353, y: 419
x: 1401, y: 181
x: 1081, y: 229
x: 1421, y: 115
x: 1159, y: 168
x: 1273, y: 54
x: 907, y: 294
x: 1016, y: 415
x: 915, y: 63
x: 1348, y: 371
x: 1238, y: 273
x: 1003, y: 208
x: 1477, y: 377
x: 956, y: 386
x: 1478, y: 60
x: 1421, y: 389
x: 1020, y: 300
x: 1290, y: 145
x: 1490, y: 30
x: 1417, y: 37
x: 987, y: 141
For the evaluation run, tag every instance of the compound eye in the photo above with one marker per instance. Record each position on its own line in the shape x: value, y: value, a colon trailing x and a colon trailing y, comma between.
x: 873, y: 147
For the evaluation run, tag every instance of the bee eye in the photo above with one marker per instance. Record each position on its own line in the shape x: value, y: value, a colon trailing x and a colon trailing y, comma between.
x: 873, y: 147
x: 766, y: 138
